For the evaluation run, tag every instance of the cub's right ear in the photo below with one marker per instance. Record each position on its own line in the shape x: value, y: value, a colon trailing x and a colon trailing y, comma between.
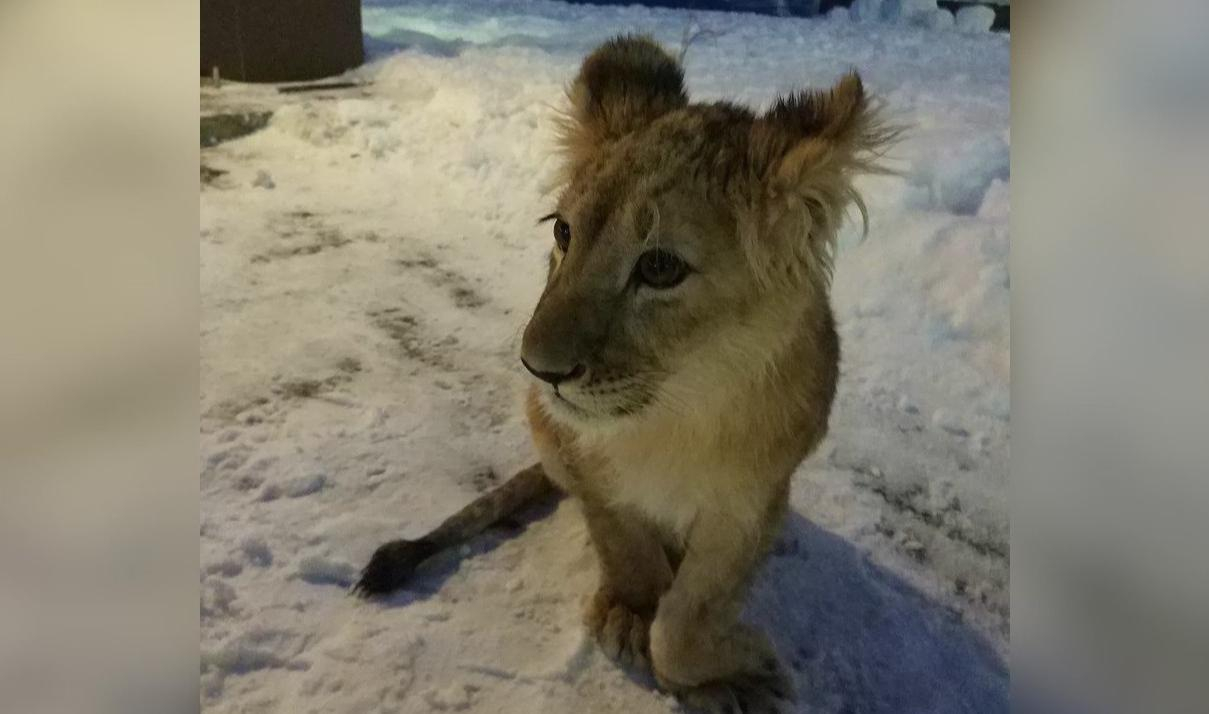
x: 625, y: 84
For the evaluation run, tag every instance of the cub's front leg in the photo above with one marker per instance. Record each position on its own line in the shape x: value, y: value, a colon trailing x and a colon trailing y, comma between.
x: 634, y: 574
x: 634, y: 568
x: 699, y: 649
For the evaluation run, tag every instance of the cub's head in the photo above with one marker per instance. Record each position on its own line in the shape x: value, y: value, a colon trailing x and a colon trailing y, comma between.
x: 688, y: 238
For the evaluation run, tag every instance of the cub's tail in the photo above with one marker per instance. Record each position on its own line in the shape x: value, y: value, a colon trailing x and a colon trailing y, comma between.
x: 394, y: 562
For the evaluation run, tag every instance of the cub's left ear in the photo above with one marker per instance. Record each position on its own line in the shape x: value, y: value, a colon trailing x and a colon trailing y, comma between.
x: 810, y: 144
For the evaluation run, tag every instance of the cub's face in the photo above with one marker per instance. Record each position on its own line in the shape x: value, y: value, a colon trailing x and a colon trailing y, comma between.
x: 644, y: 268
x: 686, y: 236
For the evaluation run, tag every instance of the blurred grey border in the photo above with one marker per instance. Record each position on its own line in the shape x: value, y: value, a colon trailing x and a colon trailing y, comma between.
x: 1110, y: 313
x: 98, y: 356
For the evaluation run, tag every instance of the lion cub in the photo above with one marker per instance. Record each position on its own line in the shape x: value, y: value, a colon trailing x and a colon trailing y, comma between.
x: 684, y: 352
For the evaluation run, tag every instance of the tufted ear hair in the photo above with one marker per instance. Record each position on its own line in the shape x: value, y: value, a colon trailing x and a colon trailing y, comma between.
x: 625, y: 84
x: 810, y: 144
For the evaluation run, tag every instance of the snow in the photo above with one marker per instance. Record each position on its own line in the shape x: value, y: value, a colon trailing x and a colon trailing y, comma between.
x: 939, y: 20
x: 975, y: 18
x: 866, y: 10
x: 257, y: 552
x: 360, y: 327
x: 839, y: 13
x: 321, y: 570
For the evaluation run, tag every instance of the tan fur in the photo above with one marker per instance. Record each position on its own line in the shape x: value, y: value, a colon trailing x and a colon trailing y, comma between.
x: 697, y: 403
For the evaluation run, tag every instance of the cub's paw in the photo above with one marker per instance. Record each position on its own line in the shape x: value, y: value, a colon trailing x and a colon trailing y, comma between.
x: 621, y: 632
x: 764, y: 691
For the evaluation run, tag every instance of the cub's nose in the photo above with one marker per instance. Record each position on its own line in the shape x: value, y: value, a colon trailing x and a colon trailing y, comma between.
x: 555, y: 378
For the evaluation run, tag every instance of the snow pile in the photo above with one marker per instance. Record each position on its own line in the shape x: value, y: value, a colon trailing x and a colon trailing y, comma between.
x: 918, y: 13
x: 957, y: 176
x: 360, y: 327
x: 976, y: 18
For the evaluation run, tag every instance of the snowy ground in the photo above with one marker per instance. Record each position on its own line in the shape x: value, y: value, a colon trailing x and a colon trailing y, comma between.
x: 368, y: 262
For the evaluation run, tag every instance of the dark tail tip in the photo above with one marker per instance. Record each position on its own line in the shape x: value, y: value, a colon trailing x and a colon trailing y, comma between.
x: 391, y: 566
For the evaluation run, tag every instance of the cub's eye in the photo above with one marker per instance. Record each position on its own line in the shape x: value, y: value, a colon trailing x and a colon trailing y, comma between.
x: 661, y: 270
x: 562, y: 234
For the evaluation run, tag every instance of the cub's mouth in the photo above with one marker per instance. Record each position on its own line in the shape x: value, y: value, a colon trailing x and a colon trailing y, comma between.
x: 561, y: 399
x: 594, y: 402
x: 556, y: 398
